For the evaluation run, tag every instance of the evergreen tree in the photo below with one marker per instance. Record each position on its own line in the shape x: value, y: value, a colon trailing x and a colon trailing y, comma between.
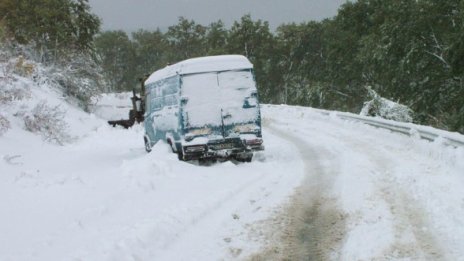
x: 186, y: 40
x: 54, y: 27
x: 152, y: 51
x: 216, y: 38
x: 117, y: 56
x: 302, y: 63
x: 85, y: 25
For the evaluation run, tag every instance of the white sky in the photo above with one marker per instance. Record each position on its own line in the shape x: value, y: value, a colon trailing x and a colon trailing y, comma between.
x: 130, y: 15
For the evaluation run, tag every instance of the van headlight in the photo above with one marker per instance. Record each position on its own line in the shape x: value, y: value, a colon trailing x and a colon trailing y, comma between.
x: 200, y: 132
x: 254, y: 142
x: 246, y: 128
x: 197, y: 132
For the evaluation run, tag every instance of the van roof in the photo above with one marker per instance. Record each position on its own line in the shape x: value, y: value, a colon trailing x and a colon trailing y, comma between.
x: 202, y: 64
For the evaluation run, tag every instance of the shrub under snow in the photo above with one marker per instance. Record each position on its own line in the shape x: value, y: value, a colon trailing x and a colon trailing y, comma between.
x: 4, y: 124
x: 25, y: 81
x: 386, y: 109
x: 48, y: 122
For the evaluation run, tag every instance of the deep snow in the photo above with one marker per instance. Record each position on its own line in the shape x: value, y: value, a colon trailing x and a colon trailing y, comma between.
x: 101, y: 197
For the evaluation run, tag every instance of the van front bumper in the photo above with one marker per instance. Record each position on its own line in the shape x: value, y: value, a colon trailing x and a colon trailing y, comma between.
x: 220, y: 149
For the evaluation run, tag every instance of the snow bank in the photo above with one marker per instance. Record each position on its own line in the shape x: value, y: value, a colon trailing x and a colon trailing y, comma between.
x: 102, y: 197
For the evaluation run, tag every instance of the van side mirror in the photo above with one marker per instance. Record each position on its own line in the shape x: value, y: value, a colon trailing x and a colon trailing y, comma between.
x: 249, y: 102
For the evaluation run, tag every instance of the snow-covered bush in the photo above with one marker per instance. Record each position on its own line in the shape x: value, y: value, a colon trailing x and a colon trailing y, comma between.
x: 4, y: 125
x: 25, y: 81
x: 76, y: 75
x: 385, y: 108
x: 48, y: 122
x: 80, y: 78
x: 11, y: 87
x: 24, y: 68
x: 10, y: 93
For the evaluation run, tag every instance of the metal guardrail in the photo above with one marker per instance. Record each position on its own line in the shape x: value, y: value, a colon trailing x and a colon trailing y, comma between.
x: 410, y: 129
x: 405, y: 128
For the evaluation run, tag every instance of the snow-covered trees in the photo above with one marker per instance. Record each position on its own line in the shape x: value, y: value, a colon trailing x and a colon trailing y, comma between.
x: 58, y: 34
x: 53, y: 27
x: 117, y: 57
x: 408, y: 51
x: 186, y: 40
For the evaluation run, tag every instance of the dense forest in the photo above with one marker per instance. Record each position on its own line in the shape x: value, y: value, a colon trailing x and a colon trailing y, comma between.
x: 411, y: 52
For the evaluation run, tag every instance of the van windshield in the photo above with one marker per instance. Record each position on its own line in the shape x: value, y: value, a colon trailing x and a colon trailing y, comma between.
x: 219, y: 97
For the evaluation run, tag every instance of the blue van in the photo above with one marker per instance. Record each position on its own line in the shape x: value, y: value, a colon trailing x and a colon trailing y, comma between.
x: 204, y: 108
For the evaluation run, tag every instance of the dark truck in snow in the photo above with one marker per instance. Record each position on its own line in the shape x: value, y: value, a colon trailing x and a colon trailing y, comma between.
x: 204, y: 108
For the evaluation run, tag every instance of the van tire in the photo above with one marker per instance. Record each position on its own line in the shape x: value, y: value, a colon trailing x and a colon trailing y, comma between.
x: 247, y: 159
x: 171, y: 145
x: 147, y: 145
x: 180, y: 155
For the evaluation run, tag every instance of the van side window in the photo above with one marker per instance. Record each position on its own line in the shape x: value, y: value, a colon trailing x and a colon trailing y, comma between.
x: 157, y: 103
x: 148, y: 103
x: 170, y: 100
x: 163, y: 93
x: 170, y: 86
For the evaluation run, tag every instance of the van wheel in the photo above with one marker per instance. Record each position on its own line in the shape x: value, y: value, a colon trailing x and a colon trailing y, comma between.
x: 180, y: 155
x: 248, y: 158
x: 147, y: 145
x: 172, y: 146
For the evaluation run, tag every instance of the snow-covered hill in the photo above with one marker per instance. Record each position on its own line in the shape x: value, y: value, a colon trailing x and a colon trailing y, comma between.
x: 324, y: 188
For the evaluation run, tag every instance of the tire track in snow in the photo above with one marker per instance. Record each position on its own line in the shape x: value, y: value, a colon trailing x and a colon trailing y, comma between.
x: 314, y: 225
x: 410, y: 218
x: 379, y: 162
x: 313, y: 232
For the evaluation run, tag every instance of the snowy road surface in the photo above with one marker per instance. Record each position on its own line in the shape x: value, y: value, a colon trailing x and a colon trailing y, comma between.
x: 324, y: 189
x: 368, y: 194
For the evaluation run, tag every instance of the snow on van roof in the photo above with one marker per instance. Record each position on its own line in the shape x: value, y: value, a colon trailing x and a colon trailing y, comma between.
x: 202, y: 64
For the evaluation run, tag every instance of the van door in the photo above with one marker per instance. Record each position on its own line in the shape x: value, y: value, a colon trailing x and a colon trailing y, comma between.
x: 204, y: 100
x: 239, y: 101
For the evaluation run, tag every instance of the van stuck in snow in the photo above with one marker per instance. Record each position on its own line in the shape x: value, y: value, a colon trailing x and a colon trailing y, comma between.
x: 204, y: 108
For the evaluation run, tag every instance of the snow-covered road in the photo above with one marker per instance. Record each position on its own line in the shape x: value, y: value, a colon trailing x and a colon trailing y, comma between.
x: 324, y: 189
x: 369, y: 194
